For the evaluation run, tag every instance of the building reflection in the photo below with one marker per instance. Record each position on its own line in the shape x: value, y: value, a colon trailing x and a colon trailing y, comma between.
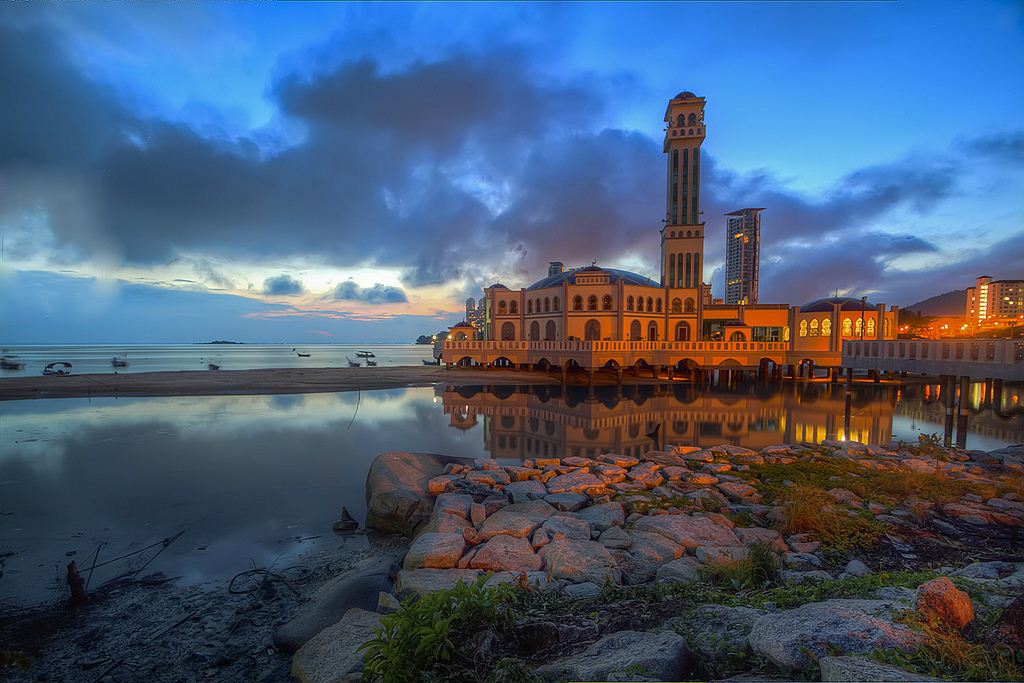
x: 995, y: 412
x: 549, y: 421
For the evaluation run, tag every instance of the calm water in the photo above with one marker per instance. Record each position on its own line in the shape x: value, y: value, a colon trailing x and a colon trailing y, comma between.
x: 251, y: 479
x: 152, y: 357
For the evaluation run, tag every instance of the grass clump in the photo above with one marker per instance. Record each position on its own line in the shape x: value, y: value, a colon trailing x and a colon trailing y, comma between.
x: 810, y: 510
x: 760, y: 568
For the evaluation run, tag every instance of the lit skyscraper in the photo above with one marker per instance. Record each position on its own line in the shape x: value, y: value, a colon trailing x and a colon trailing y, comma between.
x: 742, y: 255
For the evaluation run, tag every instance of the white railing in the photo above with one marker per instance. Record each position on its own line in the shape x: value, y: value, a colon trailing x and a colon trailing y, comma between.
x: 997, y: 351
x: 613, y: 346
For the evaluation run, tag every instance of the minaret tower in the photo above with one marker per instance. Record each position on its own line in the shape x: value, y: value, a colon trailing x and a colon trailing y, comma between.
x: 682, y: 238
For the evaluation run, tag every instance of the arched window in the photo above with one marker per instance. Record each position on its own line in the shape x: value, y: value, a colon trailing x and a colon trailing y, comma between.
x: 547, y: 304
x: 652, y: 332
x: 535, y: 331
x: 888, y: 328
x: 529, y: 305
x: 591, y: 303
x: 650, y: 304
x: 640, y: 304
x: 502, y: 308
x: 814, y: 328
x: 847, y: 327
x: 592, y: 331
x: 629, y: 303
x: 550, y: 333
x: 692, y: 119
x: 513, y: 308
x: 737, y: 336
x: 508, y: 331
x: 682, y: 331
x: 803, y: 328
x: 657, y: 305
x: 858, y: 327
x: 681, y: 120
x: 554, y: 304
x: 826, y: 327
x: 871, y: 327
x: 606, y: 303
x: 677, y: 306
x: 634, y: 331
x: 577, y: 303
x: 689, y: 306
x: 785, y: 333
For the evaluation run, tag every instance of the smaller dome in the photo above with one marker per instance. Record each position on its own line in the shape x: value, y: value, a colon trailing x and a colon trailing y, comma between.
x: 734, y: 323
x: 685, y: 95
x: 497, y: 285
x: 846, y: 303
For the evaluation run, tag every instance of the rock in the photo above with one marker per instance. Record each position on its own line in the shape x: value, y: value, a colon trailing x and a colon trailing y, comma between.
x: 419, y: 582
x: 397, y: 499
x: 458, y: 504
x: 635, y: 570
x: 445, y: 523
x: 647, y: 474
x: 618, y: 460
x: 660, y: 656
x: 843, y: 669
x: 563, y: 526
x: 357, y: 587
x: 812, y: 576
x: 387, y: 603
x: 506, y: 553
x: 539, y: 539
x: 689, y: 531
x: 435, y: 551
x: 700, y: 479
x: 488, y: 477
x: 802, y: 543
x: 579, y: 591
x: 566, y: 502
x: 477, y: 514
x: 521, y: 473
x: 467, y: 558
x: 615, y: 538
x: 1009, y: 627
x: 674, y: 472
x: 486, y: 464
x: 857, y: 568
x: 720, y: 556
x: 333, y: 654
x: 737, y: 491
x: 801, y: 562
x: 538, y: 636
x: 523, y: 491
x: 494, y: 502
x: 441, y: 483
x: 791, y: 639
x: 683, y: 570
x: 717, y: 632
x: 943, y: 603
x: 846, y: 496
x: 988, y: 570
x: 769, y: 537
x: 574, y: 482
x: 654, y: 547
x: 504, y: 523
x: 604, y: 516
x: 579, y: 561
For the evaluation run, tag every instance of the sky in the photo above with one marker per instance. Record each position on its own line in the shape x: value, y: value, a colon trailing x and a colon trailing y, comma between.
x: 342, y: 172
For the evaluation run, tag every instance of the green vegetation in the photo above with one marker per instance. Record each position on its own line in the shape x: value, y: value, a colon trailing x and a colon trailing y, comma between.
x: 809, y: 509
x: 760, y: 568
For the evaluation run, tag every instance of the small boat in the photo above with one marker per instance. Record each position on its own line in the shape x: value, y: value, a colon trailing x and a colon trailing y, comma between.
x: 371, y: 363
x: 213, y: 366
x: 57, y: 369
x: 365, y: 354
x: 302, y: 355
x: 11, y: 363
x: 436, y: 361
x: 352, y: 363
x: 119, y: 362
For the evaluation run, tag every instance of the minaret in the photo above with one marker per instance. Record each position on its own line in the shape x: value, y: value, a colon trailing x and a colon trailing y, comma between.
x: 682, y: 238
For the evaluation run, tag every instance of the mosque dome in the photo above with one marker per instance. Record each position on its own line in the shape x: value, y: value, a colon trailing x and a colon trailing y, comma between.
x: 846, y: 303
x: 685, y: 95
x: 614, y: 274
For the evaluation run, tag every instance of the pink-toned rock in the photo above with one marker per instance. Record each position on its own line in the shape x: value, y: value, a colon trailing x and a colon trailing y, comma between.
x: 683, y: 450
x: 769, y: 537
x: 516, y: 473
x: 435, y: 551
x: 718, y: 518
x: 697, y: 456
x: 604, y: 516
x: 454, y: 504
x: 689, y: 531
x: 441, y: 483
x: 802, y: 543
x: 504, y: 523
x: 737, y: 491
x: 580, y: 561
x: 610, y: 474
x: 628, y: 487
x: 700, y: 479
x: 674, y: 472
x: 546, y: 462
x: 574, y: 482
x: 467, y: 558
x: 654, y: 548
x: 477, y: 514
x: 397, y: 499
x: 445, y: 523
x: 846, y: 496
x: 720, y: 556
x: 506, y: 553
x: 562, y: 526
x: 576, y: 461
x: 618, y: 460
x: 522, y: 491
x: 972, y: 513
x: 539, y: 539
x: 717, y: 467
x: 943, y: 603
x: 488, y: 477
x: 876, y: 508
x: 647, y: 474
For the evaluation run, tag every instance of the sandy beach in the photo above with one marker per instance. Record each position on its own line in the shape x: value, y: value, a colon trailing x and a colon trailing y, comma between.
x: 266, y: 381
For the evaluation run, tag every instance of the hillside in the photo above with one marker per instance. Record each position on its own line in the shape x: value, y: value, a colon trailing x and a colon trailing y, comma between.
x: 950, y: 303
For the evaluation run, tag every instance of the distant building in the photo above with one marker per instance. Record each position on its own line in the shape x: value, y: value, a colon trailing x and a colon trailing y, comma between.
x: 992, y: 303
x: 476, y: 316
x: 742, y: 256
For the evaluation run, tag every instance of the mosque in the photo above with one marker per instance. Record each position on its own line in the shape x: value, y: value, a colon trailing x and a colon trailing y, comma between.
x: 596, y: 317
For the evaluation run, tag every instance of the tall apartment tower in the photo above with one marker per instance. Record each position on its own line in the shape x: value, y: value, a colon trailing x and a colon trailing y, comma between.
x: 742, y: 255
x: 995, y: 301
x: 682, y: 238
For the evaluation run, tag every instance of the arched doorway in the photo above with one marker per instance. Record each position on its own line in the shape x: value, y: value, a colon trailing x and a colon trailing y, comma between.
x: 508, y: 332
x: 634, y: 330
x: 535, y: 331
x: 682, y: 331
x: 592, y: 331
x: 550, y: 334
x: 652, y: 331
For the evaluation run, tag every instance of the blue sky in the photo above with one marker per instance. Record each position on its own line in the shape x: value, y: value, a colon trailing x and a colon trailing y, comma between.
x: 361, y: 169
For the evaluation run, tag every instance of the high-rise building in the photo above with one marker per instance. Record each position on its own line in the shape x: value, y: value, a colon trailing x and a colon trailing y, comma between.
x: 742, y: 255
x: 682, y: 238
x: 470, y: 308
x: 995, y: 301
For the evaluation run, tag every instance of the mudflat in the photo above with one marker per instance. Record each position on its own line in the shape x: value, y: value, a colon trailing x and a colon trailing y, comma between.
x: 265, y: 381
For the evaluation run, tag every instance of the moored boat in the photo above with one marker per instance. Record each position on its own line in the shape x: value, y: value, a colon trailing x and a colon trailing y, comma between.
x: 11, y: 363
x: 58, y: 368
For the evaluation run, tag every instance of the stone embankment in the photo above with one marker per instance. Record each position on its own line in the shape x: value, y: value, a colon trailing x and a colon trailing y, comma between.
x: 822, y: 512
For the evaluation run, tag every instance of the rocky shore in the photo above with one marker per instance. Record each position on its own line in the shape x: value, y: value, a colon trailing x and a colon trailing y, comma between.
x: 830, y: 561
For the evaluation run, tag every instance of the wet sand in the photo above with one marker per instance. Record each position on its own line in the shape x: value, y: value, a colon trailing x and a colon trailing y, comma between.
x: 266, y: 381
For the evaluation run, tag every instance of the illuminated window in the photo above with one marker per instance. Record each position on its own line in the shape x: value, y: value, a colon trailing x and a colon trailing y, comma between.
x: 858, y: 327
x: 592, y: 303
x: 577, y: 303
x: 847, y: 327
x: 606, y: 303
x: 888, y: 328
x: 814, y: 328
x: 871, y: 327
x: 513, y: 308
x: 826, y: 327
x: 785, y: 333
x: 629, y: 303
x: 803, y: 328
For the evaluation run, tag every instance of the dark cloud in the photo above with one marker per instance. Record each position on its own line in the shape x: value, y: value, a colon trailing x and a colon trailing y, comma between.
x: 377, y: 294
x: 282, y: 285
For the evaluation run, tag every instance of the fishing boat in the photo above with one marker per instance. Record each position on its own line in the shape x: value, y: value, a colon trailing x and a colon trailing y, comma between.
x: 11, y: 363
x: 432, y: 362
x: 300, y: 354
x: 213, y: 366
x: 57, y: 369
x: 352, y: 363
x: 119, y: 362
x: 365, y: 354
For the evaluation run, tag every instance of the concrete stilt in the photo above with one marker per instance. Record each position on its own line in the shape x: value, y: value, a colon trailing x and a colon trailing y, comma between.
x: 961, y: 424
x: 948, y: 389
x: 849, y: 402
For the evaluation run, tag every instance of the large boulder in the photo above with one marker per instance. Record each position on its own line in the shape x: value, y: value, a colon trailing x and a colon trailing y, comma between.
x: 580, y: 561
x: 506, y: 553
x: 604, y: 516
x: 419, y: 582
x: 683, y: 570
x: 717, y: 633
x: 397, y: 495
x: 661, y: 656
x: 843, y: 669
x: 943, y: 603
x: 435, y: 551
x: 333, y: 656
x: 792, y: 639
x: 654, y: 547
x: 689, y: 531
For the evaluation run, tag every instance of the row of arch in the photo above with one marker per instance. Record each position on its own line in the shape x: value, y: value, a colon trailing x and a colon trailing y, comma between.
x: 592, y: 331
x: 851, y: 327
x: 606, y: 303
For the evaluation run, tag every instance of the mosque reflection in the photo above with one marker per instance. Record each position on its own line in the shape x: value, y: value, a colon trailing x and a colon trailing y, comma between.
x: 539, y: 421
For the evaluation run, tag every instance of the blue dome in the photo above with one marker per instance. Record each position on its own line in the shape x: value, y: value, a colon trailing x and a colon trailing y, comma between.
x: 685, y: 95
x: 616, y: 275
x: 846, y: 303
